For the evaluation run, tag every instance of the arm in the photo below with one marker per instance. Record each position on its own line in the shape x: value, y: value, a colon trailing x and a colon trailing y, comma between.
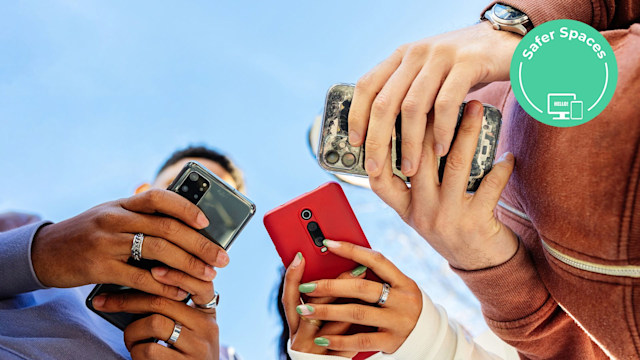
x: 601, y: 14
x: 519, y: 309
x: 16, y: 269
x: 409, y: 325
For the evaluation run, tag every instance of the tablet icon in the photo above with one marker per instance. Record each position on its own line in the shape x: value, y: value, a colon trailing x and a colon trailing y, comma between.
x: 565, y: 106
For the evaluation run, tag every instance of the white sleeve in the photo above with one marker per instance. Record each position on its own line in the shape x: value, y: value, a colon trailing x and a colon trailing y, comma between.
x: 435, y: 337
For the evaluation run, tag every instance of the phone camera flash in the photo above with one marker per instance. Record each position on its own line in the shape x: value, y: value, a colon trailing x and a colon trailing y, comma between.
x: 324, y: 249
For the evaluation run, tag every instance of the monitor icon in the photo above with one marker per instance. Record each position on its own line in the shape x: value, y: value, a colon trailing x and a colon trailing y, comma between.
x: 565, y: 106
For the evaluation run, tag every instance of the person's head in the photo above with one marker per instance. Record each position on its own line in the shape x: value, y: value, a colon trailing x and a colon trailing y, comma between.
x: 213, y: 160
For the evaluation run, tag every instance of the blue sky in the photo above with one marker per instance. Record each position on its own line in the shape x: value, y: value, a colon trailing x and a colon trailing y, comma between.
x: 95, y: 95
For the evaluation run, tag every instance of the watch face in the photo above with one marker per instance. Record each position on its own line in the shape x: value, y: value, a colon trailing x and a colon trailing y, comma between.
x: 505, y: 12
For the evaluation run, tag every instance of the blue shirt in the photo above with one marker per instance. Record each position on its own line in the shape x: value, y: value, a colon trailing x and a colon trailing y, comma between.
x: 41, y: 323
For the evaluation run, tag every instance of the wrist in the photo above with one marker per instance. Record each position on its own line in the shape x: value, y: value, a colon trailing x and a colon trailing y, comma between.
x: 494, y: 251
x: 40, y: 254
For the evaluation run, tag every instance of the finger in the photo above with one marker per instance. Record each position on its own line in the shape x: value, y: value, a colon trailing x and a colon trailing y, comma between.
x: 365, y: 290
x: 168, y: 203
x: 334, y: 328
x: 391, y: 189
x: 425, y: 184
x: 374, y: 341
x: 353, y: 313
x: 150, y: 304
x: 159, y: 327
x: 166, y: 252
x: 357, y: 273
x: 458, y: 166
x: 201, y: 291
x: 290, y: 294
x: 372, y: 259
x: 182, y: 236
x: 142, y: 280
x: 491, y: 187
x: 447, y: 107
x: 154, y: 351
x: 414, y: 109
x: 385, y: 109
x: 366, y: 90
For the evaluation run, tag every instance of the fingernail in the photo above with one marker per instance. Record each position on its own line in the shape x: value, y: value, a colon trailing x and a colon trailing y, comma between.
x: 159, y: 271
x: 406, y: 165
x: 307, y: 288
x: 209, y: 273
x: 354, y: 137
x: 304, y: 309
x: 505, y: 156
x: 371, y: 166
x: 474, y: 108
x: 296, y: 261
x: 202, y: 220
x: 222, y: 259
x: 439, y: 150
x: 182, y: 294
x: 320, y: 341
x: 358, y: 271
x: 330, y: 243
x: 98, y: 301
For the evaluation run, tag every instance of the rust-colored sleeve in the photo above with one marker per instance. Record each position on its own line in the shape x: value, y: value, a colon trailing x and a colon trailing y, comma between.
x: 601, y: 14
x: 520, y: 310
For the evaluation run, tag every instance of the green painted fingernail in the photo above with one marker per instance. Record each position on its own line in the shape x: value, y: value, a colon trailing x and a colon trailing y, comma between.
x: 320, y: 341
x: 358, y: 271
x: 307, y: 288
x: 299, y: 255
x: 304, y: 309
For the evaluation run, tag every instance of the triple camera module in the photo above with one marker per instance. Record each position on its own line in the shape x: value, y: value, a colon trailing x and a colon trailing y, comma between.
x: 194, y: 187
x: 313, y: 228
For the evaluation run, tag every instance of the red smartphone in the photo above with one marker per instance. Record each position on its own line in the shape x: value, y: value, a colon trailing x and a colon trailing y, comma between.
x: 301, y: 224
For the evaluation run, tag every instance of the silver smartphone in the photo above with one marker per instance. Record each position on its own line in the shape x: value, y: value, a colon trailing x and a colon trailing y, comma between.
x: 337, y: 155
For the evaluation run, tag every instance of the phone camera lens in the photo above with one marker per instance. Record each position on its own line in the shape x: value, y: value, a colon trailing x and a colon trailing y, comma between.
x: 312, y: 226
x: 348, y: 159
x: 194, y: 176
x: 195, y: 196
x: 184, y: 188
x: 306, y: 214
x: 332, y: 157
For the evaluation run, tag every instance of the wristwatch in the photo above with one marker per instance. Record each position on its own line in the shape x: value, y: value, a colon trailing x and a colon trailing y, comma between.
x: 505, y: 17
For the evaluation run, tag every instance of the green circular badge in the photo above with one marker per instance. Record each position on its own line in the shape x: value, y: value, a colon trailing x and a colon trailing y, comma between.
x: 564, y: 73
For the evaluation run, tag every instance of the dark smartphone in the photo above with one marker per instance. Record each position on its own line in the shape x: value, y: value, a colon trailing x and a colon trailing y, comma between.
x: 228, y: 212
x: 336, y: 155
x: 301, y: 225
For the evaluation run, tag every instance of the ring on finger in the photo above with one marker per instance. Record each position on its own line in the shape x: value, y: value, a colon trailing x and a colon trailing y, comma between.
x: 175, y: 334
x: 314, y: 322
x: 211, y: 304
x: 136, y: 246
x: 384, y: 295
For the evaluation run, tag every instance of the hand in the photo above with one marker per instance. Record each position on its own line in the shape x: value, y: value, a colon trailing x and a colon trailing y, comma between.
x: 460, y: 226
x: 93, y: 247
x: 301, y: 331
x: 395, y: 319
x: 433, y: 73
x: 198, y: 338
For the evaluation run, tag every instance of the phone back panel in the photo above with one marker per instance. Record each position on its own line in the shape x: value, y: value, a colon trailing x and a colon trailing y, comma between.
x: 331, y: 210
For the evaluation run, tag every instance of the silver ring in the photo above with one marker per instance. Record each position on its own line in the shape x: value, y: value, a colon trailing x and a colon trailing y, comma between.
x: 136, y: 246
x: 177, y: 328
x: 384, y: 295
x: 211, y: 304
